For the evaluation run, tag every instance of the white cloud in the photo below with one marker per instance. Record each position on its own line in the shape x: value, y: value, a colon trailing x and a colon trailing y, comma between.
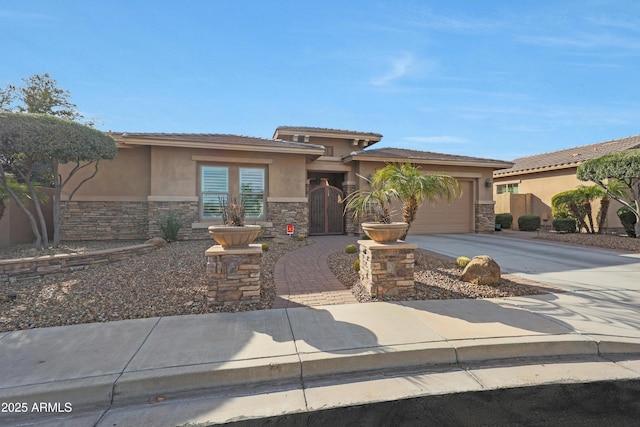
x: 443, y: 139
x: 399, y: 67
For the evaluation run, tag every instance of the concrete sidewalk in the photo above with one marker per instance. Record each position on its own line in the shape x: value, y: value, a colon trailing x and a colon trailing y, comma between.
x: 221, y: 367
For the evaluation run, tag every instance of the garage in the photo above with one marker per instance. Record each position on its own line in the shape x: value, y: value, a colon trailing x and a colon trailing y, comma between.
x: 443, y: 217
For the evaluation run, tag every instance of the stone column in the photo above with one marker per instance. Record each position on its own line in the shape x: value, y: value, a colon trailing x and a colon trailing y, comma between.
x: 350, y: 227
x: 387, y: 269
x: 233, y: 275
x: 485, y: 217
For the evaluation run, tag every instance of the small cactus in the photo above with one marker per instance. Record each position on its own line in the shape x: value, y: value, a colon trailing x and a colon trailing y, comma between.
x: 356, y: 265
x: 351, y: 249
x: 265, y: 247
x: 462, y: 261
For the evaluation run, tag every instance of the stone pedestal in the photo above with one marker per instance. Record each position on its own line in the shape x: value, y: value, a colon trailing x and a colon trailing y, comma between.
x: 233, y: 275
x: 386, y: 269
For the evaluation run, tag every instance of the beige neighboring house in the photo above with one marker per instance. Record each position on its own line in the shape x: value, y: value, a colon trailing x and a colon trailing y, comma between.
x: 298, y: 177
x: 528, y: 186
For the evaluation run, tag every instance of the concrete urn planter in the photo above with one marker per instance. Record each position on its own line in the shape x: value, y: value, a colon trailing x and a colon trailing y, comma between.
x: 232, y: 237
x: 384, y: 233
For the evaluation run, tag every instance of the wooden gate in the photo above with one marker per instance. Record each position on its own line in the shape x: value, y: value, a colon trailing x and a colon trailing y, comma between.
x: 325, y: 210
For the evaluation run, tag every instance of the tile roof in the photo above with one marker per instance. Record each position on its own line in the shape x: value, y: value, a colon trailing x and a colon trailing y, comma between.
x: 569, y: 157
x: 402, y: 153
x: 311, y: 129
x: 214, y: 138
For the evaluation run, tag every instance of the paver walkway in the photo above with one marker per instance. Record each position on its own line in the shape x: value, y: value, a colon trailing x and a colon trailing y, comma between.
x: 303, y: 277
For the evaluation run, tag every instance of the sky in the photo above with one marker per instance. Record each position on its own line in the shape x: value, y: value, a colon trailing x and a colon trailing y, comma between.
x: 498, y: 79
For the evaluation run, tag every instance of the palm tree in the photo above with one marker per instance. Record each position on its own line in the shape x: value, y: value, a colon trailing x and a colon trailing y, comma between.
x: 376, y: 201
x: 414, y: 188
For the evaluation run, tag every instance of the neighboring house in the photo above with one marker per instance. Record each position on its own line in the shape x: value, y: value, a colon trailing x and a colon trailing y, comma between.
x: 299, y: 178
x: 528, y: 186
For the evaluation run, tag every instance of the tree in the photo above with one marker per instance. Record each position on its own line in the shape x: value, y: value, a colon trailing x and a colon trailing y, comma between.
x: 39, y: 95
x: 615, y: 170
x: 28, y: 140
x: 375, y: 201
x: 414, y: 187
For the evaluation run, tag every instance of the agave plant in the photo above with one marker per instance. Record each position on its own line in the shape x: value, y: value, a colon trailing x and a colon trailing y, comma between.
x: 232, y: 211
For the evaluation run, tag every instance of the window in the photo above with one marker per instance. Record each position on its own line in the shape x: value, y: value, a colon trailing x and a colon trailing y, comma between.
x: 507, y: 188
x: 215, y: 190
x: 219, y: 183
x: 252, y: 192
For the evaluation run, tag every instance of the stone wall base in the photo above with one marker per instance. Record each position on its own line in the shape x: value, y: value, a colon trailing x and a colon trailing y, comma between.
x: 233, y: 275
x: 485, y: 218
x: 281, y: 214
x: 387, y: 269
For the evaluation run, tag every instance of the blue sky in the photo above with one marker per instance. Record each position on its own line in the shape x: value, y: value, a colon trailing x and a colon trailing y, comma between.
x: 497, y: 79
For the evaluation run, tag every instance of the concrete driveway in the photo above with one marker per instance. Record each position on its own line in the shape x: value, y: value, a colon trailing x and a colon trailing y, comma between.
x: 567, y: 267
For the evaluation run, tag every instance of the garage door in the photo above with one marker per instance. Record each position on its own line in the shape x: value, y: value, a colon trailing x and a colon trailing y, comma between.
x: 454, y: 217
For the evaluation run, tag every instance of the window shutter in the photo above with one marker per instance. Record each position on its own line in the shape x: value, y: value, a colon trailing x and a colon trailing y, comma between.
x: 252, y: 191
x: 215, y: 179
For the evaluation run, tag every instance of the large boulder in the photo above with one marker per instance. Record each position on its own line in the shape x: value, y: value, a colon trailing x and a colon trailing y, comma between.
x: 482, y: 270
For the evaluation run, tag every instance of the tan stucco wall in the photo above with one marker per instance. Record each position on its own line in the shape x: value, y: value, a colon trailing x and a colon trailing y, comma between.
x: 475, y: 174
x: 139, y: 172
x: 127, y: 176
x: 543, y: 186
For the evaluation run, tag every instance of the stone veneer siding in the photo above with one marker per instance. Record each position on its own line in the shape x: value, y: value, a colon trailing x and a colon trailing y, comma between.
x: 105, y: 221
x: 387, y: 269
x: 188, y: 211
x: 485, y: 218
x: 350, y: 226
x: 279, y: 214
x: 233, y: 275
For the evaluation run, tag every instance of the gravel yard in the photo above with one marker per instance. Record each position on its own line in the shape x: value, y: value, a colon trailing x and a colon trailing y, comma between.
x: 171, y: 281
x: 168, y: 281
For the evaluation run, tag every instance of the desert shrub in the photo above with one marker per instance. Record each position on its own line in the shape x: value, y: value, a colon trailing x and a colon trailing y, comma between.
x: 356, y: 265
x: 504, y: 220
x: 462, y: 261
x: 301, y: 237
x: 628, y: 220
x: 351, y: 249
x: 265, y: 247
x: 566, y: 225
x: 529, y: 222
x: 170, y: 225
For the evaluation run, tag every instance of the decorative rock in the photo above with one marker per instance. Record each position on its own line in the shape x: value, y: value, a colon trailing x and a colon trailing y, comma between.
x: 157, y: 241
x: 482, y: 270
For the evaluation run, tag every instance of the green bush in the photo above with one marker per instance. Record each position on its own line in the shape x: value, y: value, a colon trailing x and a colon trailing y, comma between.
x: 462, y: 261
x: 265, y: 247
x: 566, y: 225
x: 504, y: 220
x: 628, y: 220
x: 170, y: 225
x: 351, y: 249
x: 356, y: 265
x: 529, y: 222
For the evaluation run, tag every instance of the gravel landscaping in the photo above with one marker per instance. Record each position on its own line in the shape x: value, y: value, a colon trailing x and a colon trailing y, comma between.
x: 171, y: 281
x: 168, y: 281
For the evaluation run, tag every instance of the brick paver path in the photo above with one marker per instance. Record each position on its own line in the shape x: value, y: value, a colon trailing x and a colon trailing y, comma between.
x: 303, y: 277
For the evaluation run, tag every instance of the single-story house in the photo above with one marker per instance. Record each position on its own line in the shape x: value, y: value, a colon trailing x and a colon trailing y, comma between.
x: 298, y: 177
x: 528, y: 186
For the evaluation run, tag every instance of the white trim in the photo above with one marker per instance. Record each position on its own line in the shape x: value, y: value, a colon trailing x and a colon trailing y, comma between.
x: 173, y: 198
x: 485, y: 202
x: 218, y: 159
x: 287, y: 199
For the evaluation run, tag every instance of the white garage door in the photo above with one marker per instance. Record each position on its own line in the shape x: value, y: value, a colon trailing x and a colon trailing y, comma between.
x: 453, y: 217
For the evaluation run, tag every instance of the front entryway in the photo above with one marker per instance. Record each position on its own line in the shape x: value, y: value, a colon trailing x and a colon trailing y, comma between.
x: 325, y: 210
